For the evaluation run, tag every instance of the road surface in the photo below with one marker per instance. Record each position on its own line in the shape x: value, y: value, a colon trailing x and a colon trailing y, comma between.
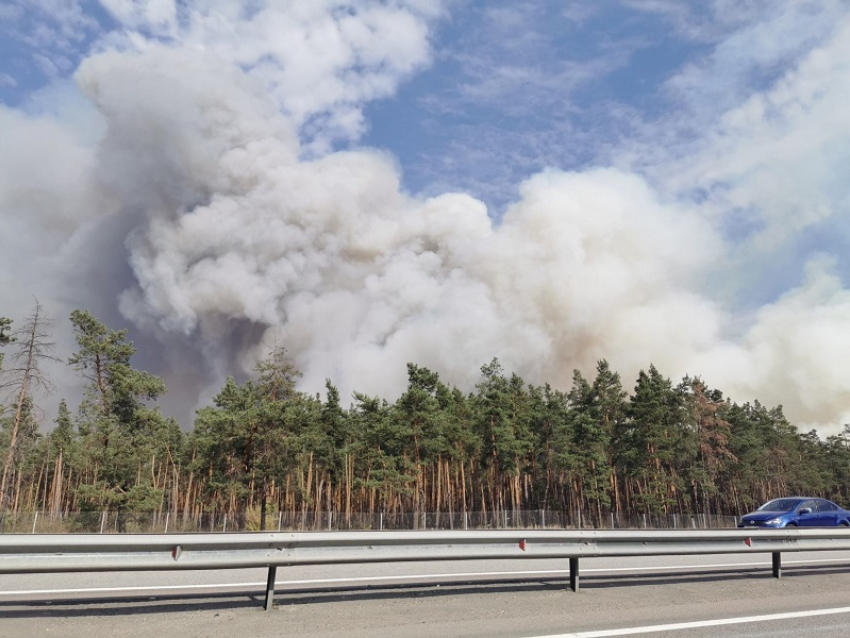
x: 674, y: 597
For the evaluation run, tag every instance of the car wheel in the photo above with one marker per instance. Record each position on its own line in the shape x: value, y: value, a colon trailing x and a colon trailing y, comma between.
x: 791, y: 525
x: 844, y: 524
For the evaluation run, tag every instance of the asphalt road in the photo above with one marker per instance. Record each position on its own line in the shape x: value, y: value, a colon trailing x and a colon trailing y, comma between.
x: 674, y: 597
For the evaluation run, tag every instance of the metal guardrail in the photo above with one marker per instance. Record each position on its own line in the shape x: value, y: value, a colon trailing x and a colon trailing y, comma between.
x: 54, y: 553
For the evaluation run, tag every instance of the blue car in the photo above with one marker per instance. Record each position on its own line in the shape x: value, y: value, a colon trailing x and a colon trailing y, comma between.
x: 797, y: 511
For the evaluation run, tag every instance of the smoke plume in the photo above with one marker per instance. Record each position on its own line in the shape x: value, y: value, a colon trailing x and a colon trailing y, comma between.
x: 193, y: 208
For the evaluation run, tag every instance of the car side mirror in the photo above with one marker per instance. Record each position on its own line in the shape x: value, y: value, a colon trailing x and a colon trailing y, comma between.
x: 805, y: 510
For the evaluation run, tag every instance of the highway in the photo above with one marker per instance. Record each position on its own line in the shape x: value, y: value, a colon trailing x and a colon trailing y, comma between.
x: 674, y: 597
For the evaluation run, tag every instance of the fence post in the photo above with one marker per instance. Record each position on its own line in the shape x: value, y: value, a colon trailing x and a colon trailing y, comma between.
x: 270, y: 587
x: 381, y: 521
x: 279, y: 521
x: 574, y: 585
x: 224, y: 529
x: 34, y: 520
x: 102, y: 521
x: 167, y: 515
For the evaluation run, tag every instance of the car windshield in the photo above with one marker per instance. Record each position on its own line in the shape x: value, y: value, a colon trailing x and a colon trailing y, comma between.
x: 780, y: 505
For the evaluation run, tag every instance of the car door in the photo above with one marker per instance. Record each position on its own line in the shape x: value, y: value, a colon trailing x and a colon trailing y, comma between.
x: 810, y: 517
x: 827, y: 513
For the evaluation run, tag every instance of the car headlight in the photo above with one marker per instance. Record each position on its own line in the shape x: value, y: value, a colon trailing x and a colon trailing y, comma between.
x: 774, y: 521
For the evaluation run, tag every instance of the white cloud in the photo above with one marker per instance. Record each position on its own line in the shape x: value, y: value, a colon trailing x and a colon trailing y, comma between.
x: 781, y: 151
x: 751, y: 50
x: 316, y: 58
x: 155, y: 16
x: 47, y: 25
x: 775, y: 159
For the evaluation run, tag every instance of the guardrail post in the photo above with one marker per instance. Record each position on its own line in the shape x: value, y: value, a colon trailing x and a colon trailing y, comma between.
x: 270, y: 587
x: 574, y: 573
x: 777, y: 564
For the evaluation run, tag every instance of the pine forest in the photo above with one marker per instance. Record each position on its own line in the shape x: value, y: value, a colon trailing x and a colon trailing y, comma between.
x: 264, y: 455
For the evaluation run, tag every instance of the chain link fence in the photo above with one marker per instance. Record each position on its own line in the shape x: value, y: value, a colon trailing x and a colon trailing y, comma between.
x: 112, y: 522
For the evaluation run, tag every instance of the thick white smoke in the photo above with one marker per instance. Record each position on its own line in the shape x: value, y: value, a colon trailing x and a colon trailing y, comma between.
x: 201, y: 215
x: 329, y: 258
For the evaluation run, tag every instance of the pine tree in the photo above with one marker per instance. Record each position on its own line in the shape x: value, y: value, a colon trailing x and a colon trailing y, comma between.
x: 125, y: 438
x: 504, y: 415
x: 25, y: 377
x: 651, y: 443
x: 712, y: 439
x: 593, y: 411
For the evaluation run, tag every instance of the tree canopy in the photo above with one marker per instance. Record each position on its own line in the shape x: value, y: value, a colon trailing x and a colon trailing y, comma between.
x: 262, y: 447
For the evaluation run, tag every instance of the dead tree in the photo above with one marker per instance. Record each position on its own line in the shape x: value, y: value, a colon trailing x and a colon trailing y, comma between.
x: 21, y: 379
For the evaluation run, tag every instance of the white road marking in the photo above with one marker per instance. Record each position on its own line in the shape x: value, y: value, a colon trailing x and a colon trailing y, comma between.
x: 630, y: 631
x: 362, y: 579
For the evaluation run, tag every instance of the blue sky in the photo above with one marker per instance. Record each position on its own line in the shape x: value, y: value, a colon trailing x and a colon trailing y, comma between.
x: 534, y: 85
x: 370, y: 183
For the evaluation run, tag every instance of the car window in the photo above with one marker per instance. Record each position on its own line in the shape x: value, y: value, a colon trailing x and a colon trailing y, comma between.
x: 780, y: 505
x: 827, y: 506
x: 810, y: 504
